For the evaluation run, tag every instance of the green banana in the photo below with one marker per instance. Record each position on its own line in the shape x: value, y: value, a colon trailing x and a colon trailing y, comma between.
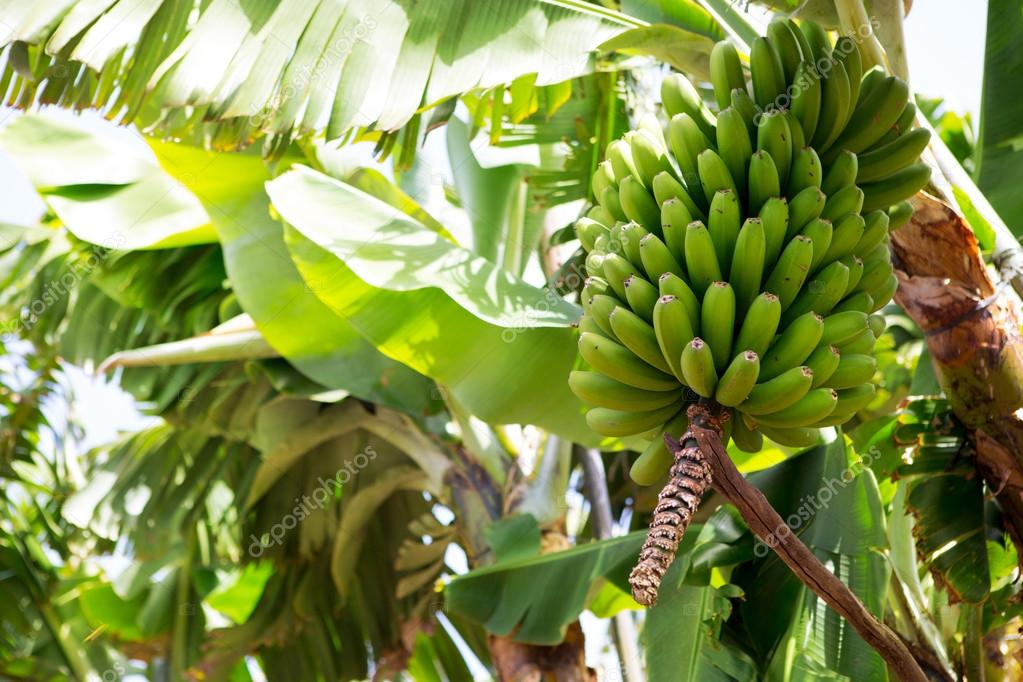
x: 655, y: 461
x: 638, y: 205
x: 738, y: 379
x: 698, y: 368
x: 725, y: 73
x: 817, y: 404
x: 618, y: 423
x: 667, y: 188
x: 617, y: 362
x: 847, y: 52
x: 734, y: 146
x: 800, y: 437
x: 619, y: 155
x: 723, y: 225
x: 717, y: 322
x: 791, y: 270
x: 861, y: 343
x: 852, y: 370
x: 637, y: 335
x: 629, y: 236
x: 883, y: 294
x: 601, y: 391
x: 876, y: 228
x: 595, y: 285
x: 747, y: 108
x: 905, y: 123
x: 603, y: 178
x: 714, y: 175
x: 745, y: 438
x: 775, y: 138
x: 785, y: 44
x: 674, y: 219
x: 648, y: 157
x: 877, y: 324
x: 760, y: 324
x: 817, y: 40
x: 860, y: 300
x: 774, y: 214
x: 875, y: 274
x: 599, y: 214
x: 823, y: 361
x: 687, y: 143
x: 803, y: 208
x: 892, y: 157
x: 767, y: 73
x: 840, y: 328
x: 673, y: 330
x: 595, y: 264
x: 747, y: 268
x: 835, y: 105
x: 616, y: 269
x: 610, y: 201
x: 798, y: 136
x: 852, y: 400
x: 764, y: 183
x: 670, y: 285
x: 793, y: 345
x: 701, y: 258
x: 641, y: 296
x: 599, y: 307
x: 779, y: 392
x: 873, y: 116
x: 899, y: 215
x: 843, y: 202
x: 589, y: 325
x: 897, y: 187
x: 855, y: 265
x: 680, y: 97
x: 807, y: 92
x: 657, y: 258
x: 841, y: 173
x: 820, y: 294
x: 871, y: 80
x: 845, y: 236
x: 588, y: 230
x: 819, y: 231
x: 806, y: 171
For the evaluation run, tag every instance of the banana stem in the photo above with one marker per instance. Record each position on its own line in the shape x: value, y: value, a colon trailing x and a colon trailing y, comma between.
x: 856, y: 23
x: 765, y: 522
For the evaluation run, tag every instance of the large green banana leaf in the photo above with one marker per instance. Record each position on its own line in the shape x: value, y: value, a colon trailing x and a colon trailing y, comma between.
x: 291, y: 65
x: 503, y: 347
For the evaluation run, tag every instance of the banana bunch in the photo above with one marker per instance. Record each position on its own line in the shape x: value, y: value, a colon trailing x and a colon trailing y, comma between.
x: 741, y: 256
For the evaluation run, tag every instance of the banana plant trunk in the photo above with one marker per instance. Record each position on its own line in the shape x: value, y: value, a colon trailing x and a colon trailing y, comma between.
x: 972, y: 331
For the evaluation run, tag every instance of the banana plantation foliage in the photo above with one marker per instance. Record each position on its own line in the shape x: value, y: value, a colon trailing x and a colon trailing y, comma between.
x: 523, y: 340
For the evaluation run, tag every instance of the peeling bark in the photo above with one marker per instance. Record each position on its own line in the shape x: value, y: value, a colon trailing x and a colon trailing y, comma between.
x: 518, y: 662
x: 972, y: 332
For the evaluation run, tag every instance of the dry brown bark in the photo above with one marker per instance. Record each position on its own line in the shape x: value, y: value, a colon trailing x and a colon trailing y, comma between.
x: 972, y: 331
x: 518, y: 662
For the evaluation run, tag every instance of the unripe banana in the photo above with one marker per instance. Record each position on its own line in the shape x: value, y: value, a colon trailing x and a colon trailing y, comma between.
x: 616, y: 269
x: 603, y: 178
x: 647, y: 157
x: 747, y: 269
x: 601, y: 391
x: 793, y: 345
x: 618, y: 423
x: 774, y: 214
x: 701, y: 259
x: 807, y: 91
x: 791, y: 438
x: 641, y: 296
x: 745, y: 438
x: 852, y: 370
x: 843, y: 202
x: 687, y: 143
x: 637, y: 335
x: 860, y: 301
x: 610, y: 201
x: 806, y: 171
x: 595, y: 285
x: 675, y: 218
x: 734, y: 146
x: 872, y: 79
x: 905, y: 123
x: 738, y: 379
x: 619, y: 155
x: 650, y: 126
x: 778, y: 393
x: 823, y: 361
x: 670, y: 285
x: 785, y: 44
x: 714, y: 175
x: 852, y: 400
x: 629, y: 236
x: 884, y: 293
x: 791, y: 270
x: 896, y: 187
x: 589, y: 325
x: 657, y: 258
x: 803, y: 208
x: 835, y: 105
x: 885, y: 160
x: 874, y: 232
x: 855, y: 265
x: 775, y: 138
x: 725, y: 73
x: 595, y: 264
x: 873, y: 116
x: 817, y: 39
x: 717, y: 322
x: 841, y: 173
x: 875, y: 274
x: 680, y: 97
x: 845, y: 236
x: 655, y: 461
x: 847, y: 52
x: 767, y: 73
x: 861, y: 343
x: 764, y: 183
x: 877, y: 324
x: 842, y: 327
x: 723, y: 224
x: 819, y: 231
x: 798, y: 137
x: 817, y: 404
x: 820, y: 294
x: 673, y: 330
x: 638, y: 205
x: 618, y: 362
x: 747, y: 108
x: 588, y: 230
x: 599, y: 214
x: 899, y: 215
x: 698, y: 368
x: 667, y: 188
x: 760, y: 324
x: 599, y: 307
